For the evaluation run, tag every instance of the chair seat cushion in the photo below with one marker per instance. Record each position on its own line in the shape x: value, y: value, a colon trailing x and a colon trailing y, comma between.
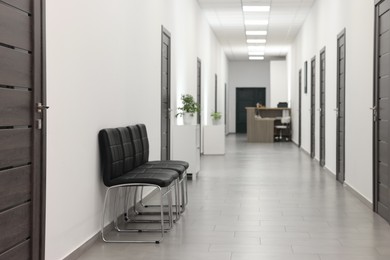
x: 182, y: 163
x: 159, y: 177
x: 169, y: 166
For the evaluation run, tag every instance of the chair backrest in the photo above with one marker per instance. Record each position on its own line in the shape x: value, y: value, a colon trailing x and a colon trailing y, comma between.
x: 111, y: 154
x: 145, y: 142
x: 137, y: 145
x: 128, y: 149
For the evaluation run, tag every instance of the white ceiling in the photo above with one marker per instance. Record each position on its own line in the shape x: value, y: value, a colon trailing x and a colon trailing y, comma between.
x: 226, y: 18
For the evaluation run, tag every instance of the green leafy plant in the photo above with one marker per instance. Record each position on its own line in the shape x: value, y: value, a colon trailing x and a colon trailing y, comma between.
x: 189, y: 105
x: 216, y: 115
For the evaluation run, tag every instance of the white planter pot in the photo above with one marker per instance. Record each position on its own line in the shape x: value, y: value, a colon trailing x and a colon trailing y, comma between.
x: 188, y: 118
x: 216, y: 121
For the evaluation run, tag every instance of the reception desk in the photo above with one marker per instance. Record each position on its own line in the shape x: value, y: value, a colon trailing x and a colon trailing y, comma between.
x: 261, y: 128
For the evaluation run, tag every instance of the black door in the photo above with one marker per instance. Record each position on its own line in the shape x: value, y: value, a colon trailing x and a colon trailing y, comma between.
x: 165, y: 94
x: 322, y: 106
x: 313, y: 109
x: 22, y: 128
x: 382, y: 111
x: 340, y: 135
x: 247, y: 97
x: 299, y: 107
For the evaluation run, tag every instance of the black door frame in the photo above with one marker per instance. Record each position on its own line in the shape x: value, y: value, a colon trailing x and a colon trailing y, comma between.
x: 340, y: 171
x: 199, y: 98
x: 322, y: 100
x: 216, y: 94
x: 375, y: 134
x: 166, y: 33
x: 225, y: 107
x: 40, y: 141
x: 300, y: 108
x: 313, y: 107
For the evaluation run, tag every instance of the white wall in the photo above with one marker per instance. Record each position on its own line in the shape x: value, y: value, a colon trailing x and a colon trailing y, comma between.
x: 103, y: 70
x: 246, y: 74
x: 321, y: 31
x: 278, y: 79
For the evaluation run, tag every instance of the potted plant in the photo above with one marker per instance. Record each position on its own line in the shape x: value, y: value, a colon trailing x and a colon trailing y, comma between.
x: 189, y: 108
x: 216, y: 116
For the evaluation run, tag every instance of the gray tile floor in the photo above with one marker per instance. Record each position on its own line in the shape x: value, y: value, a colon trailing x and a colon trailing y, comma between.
x: 264, y: 201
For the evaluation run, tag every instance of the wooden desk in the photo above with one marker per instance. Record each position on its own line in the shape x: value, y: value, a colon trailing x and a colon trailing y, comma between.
x: 263, y: 129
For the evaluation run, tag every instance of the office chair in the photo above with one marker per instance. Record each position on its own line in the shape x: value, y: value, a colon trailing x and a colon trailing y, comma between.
x: 285, y: 124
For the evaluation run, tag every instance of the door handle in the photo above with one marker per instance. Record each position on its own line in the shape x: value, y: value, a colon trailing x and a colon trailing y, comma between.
x: 41, y: 107
x: 374, y: 111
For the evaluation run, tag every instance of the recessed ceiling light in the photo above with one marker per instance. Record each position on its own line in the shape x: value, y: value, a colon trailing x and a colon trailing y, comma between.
x: 256, y: 8
x: 256, y: 32
x: 251, y: 53
x: 256, y: 58
x: 256, y: 41
x: 256, y: 22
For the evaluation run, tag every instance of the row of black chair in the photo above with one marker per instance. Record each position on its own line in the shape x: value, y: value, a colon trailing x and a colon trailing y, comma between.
x: 124, y: 153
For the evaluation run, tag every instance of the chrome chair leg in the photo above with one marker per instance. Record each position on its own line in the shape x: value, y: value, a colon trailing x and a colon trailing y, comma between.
x: 118, y: 191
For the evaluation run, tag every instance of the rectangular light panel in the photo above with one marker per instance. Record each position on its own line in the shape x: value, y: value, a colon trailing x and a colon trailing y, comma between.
x: 256, y: 32
x: 256, y: 8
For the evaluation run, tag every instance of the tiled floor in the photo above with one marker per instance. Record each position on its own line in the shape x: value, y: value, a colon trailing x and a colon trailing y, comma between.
x: 264, y: 201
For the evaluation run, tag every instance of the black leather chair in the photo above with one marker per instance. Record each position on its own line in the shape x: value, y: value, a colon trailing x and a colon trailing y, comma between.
x: 119, y: 174
x: 177, y: 165
x: 133, y: 160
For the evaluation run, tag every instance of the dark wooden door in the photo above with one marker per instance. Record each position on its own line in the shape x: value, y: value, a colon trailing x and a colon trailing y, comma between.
x: 165, y: 94
x: 340, y: 135
x: 322, y: 106
x: 382, y: 111
x: 247, y: 97
x: 22, y: 173
x: 299, y: 108
x: 313, y: 109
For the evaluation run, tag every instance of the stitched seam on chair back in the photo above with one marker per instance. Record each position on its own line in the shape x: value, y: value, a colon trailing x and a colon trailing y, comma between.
x: 137, y: 145
x: 116, y: 153
x: 145, y: 142
x: 128, y: 149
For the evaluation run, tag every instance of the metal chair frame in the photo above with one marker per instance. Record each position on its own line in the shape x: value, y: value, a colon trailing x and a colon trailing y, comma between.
x: 164, y: 192
x: 181, y: 197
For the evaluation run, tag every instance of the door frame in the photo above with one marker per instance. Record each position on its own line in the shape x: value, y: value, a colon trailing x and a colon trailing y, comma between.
x: 375, y: 135
x: 216, y: 94
x: 225, y: 106
x: 165, y: 32
x: 313, y: 110
x: 300, y: 108
x: 199, y: 99
x: 338, y: 169
x: 322, y: 107
x: 39, y: 138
